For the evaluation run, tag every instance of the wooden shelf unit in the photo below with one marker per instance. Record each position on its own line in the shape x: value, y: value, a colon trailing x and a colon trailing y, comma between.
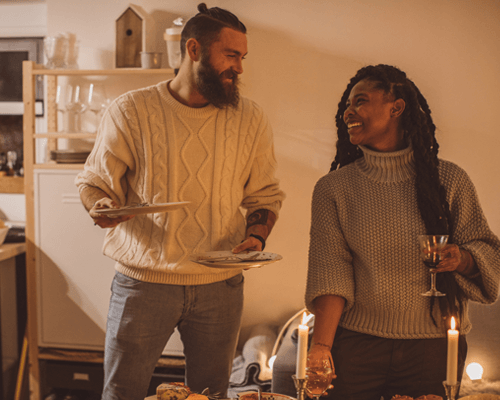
x: 31, y: 71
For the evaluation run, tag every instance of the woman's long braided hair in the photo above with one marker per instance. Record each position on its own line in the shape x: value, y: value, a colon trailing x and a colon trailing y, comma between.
x: 419, y: 131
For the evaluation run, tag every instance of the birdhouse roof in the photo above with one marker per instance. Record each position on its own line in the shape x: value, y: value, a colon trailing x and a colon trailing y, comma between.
x: 136, y: 9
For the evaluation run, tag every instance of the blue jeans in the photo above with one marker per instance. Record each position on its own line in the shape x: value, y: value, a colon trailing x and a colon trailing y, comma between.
x: 143, y: 315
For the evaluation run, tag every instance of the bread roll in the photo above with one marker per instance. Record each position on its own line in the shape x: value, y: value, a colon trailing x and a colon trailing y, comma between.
x: 196, y: 396
x: 428, y: 397
x: 172, y: 391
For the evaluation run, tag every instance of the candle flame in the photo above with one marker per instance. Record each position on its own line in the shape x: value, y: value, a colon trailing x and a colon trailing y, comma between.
x: 306, y: 317
x: 452, y: 323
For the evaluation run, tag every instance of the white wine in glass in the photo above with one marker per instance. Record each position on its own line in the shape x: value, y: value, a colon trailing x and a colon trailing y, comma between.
x: 430, y: 252
x: 319, y: 375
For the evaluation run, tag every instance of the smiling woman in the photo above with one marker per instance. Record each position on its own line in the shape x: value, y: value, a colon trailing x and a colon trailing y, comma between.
x: 373, y: 118
x: 386, y: 186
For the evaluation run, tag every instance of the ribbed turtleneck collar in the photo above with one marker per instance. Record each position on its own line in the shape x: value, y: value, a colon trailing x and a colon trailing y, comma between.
x: 191, y: 112
x: 395, y: 166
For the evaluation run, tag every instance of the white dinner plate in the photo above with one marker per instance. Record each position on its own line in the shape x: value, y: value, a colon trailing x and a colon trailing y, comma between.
x: 142, y: 209
x: 227, y: 259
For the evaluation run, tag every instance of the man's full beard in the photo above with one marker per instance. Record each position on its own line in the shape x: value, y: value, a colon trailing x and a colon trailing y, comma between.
x: 210, y: 85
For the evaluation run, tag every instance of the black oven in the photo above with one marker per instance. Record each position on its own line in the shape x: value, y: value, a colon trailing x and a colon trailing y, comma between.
x: 13, y: 51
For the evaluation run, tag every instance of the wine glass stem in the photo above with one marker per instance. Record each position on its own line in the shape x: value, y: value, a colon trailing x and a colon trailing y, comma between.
x: 78, y: 122
x: 433, y: 279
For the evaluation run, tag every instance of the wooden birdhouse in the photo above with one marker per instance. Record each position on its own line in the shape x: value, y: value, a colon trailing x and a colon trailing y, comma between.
x: 131, y: 34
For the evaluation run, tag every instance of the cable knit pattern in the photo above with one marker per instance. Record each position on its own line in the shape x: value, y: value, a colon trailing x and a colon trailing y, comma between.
x: 363, y: 245
x: 151, y: 148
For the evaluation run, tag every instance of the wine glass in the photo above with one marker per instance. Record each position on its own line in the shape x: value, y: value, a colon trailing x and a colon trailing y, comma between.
x: 55, y: 48
x: 319, y: 375
x: 98, y: 101
x: 72, y: 52
x: 63, y: 104
x: 430, y: 251
x: 76, y: 106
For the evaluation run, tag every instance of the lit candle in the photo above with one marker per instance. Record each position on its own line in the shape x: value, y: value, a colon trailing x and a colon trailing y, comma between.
x: 302, y: 349
x: 451, y: 368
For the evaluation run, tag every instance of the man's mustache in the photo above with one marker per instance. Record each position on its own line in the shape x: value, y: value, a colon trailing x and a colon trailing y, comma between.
x: 229, y: 74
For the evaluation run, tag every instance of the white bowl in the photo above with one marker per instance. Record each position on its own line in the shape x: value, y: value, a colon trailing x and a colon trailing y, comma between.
x: 3, y: 234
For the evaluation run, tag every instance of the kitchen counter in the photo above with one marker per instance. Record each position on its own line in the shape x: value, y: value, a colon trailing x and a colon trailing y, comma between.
x: 11, y: 184
x: 8, y: 250
x: 8, y: 316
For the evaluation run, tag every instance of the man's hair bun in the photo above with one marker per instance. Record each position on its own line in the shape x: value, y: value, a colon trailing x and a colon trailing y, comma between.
x: 202, y: 8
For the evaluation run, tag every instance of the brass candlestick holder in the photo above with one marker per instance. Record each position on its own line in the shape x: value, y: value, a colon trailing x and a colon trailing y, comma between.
x: 451, y: 390
x: 300, y: 385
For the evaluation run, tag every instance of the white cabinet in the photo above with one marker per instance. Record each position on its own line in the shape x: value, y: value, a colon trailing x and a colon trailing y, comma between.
x: 73, y: 276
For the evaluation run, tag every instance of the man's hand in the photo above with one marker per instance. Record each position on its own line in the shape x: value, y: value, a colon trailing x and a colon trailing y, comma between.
x: 249, y: 244
x: 259, y: 223
x: 104, y: 221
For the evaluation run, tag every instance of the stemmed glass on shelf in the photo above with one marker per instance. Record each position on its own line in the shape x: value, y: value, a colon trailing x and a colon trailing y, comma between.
x: 63, y: 96
x: 77, y: 104
x: 71, y: 103
x: 98, y: 101
x: 431, y: 247
x: 319, y: 375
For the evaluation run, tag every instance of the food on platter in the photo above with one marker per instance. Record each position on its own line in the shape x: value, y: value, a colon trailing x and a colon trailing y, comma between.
x: 172, y: 391
x: 196, y: 396
x: 264, y: 395
x: 428, y: 397
x: 177, y: 391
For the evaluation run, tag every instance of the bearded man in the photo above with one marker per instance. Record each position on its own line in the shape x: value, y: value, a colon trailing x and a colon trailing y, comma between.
x: 192, y: 138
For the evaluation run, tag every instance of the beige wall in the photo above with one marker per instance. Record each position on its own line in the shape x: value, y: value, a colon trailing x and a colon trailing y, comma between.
x: 301, y: 55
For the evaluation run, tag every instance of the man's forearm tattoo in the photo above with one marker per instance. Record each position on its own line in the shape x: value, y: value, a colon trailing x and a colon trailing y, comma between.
x: 258, y: 217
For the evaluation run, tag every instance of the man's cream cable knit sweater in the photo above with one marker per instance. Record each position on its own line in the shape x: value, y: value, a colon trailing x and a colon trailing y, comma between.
x: 363, y: 245
x: 151, y: 148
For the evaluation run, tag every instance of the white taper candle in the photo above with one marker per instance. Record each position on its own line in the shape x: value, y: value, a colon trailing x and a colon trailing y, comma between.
x: 302, y: 349
x: 452, y: 361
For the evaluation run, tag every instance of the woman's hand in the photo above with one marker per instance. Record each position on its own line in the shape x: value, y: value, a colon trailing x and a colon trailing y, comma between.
x: 450, y: 258
x: 316, y: 355
x: 104, y: 221
x: 456, y: 259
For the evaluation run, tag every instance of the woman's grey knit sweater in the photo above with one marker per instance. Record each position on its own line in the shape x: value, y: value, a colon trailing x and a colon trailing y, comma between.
x: 363, y: 245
